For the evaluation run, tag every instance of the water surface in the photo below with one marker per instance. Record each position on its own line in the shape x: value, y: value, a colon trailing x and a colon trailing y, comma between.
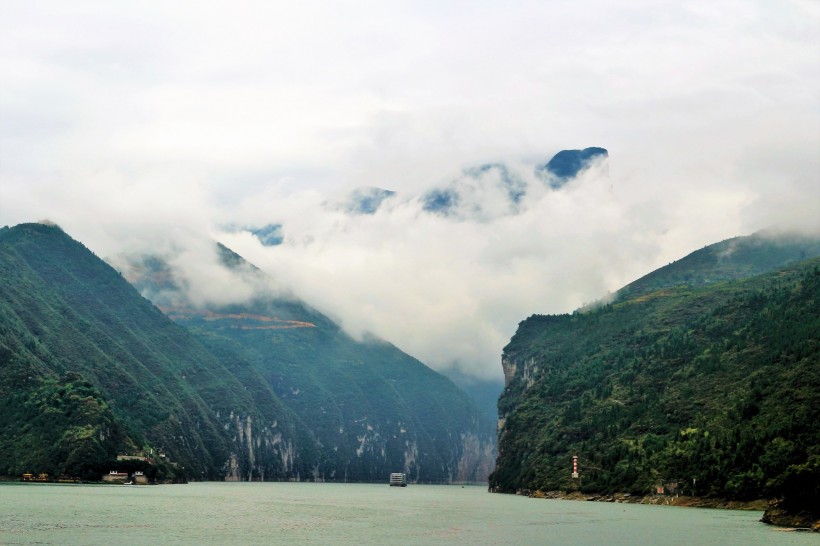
x: 310, y: 513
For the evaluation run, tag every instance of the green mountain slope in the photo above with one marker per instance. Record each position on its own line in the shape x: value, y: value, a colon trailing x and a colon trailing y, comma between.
x: 736, y: 258
x: 273, y: 390
x: 372, y: 408
x: 89, y: 366
x: 704, y: 375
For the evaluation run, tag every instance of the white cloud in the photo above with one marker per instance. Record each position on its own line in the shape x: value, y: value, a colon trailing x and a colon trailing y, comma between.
x: 148, y: 125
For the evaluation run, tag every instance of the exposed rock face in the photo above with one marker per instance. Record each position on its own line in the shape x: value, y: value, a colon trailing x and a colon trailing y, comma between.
x: 525, y: 370
x: 778, y: 514
x: 477, y: 460
x: 259, y: 455
x: 510, y: 367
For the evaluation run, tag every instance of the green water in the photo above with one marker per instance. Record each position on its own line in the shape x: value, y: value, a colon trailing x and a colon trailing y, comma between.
x: 307, y: 513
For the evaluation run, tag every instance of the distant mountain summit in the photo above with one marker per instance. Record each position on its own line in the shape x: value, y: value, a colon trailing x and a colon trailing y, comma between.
x: 492, y: 190
x: 366, y: 200
x: 269, y: 235
x: 567, y: 164
x: 479, y: 193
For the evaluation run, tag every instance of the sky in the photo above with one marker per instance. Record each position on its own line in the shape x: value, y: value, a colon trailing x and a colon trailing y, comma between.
x: 162, y: 126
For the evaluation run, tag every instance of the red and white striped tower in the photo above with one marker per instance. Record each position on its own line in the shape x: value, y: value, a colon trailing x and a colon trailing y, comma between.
x: 575, y: 466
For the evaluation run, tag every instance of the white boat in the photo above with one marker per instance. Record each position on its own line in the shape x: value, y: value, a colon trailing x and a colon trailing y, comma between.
x: 398, y: 479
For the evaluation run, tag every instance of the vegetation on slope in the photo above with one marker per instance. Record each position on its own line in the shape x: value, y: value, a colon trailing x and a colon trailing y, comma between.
x: 58, y: 427
x: 89, y: 369
x: 372, y: 408
x: 712, y: 386
x: 78, y: 344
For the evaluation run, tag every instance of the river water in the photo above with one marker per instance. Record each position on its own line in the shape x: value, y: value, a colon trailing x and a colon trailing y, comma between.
x: 312, y: 513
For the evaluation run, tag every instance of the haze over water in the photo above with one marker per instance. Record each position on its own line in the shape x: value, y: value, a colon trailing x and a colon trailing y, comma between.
x: 288, y: 513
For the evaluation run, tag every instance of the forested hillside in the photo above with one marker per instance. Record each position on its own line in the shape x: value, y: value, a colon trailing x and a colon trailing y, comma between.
x: 697, y: 377
x: 371, y: 407
x: 89, y: 369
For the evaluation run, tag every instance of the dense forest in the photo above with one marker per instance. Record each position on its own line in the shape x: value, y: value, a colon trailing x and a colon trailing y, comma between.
x: 89, y: 369
x: 703, y: 377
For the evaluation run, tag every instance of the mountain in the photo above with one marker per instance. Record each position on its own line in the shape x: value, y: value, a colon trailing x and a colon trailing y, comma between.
x: 732, y: 259
x: 480, y: 193
x: 366, y: 200
x: 702, y: 377
x: 89, y: 369
x: 269, y: 235
x: 567, y: 164
x: 371, y: 407
x: 492, y: 190
x: 440, y: 201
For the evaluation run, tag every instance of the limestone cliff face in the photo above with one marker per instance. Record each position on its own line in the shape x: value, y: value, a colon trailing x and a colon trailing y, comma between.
x: 364, y: 451
x: 510, y: 366
x: 523, y: 369
x: 411, y: 455
x: 258, y: 455
x: 477, y: 459
x: 520, y: 373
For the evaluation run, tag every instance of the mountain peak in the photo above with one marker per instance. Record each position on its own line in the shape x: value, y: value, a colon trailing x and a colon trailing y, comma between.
x: 366, y: 200
x: 566, y: 165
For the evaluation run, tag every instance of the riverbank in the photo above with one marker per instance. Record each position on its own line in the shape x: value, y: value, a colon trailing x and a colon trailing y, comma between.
x: 777, y: 514
x: 665, y: 500
x: 773, y: 511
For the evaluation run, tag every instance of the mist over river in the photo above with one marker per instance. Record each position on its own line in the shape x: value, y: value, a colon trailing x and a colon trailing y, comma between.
x: 316, y: 513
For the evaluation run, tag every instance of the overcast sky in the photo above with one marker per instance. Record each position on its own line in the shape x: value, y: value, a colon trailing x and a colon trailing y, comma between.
x: 161, y: 125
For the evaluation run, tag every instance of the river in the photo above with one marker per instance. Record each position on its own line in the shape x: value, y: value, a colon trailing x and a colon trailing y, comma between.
x: 315, y: 513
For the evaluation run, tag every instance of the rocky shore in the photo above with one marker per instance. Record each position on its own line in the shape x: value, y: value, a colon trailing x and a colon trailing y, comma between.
x: 777, y: 514
x: 774, y: 512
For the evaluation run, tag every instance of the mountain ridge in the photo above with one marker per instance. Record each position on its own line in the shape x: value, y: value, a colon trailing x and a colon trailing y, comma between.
x: 69, y: 323
x: 317, y: 356
x: 703, y: 384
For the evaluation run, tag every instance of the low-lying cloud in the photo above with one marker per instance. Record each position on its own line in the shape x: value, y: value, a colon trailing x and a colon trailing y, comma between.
x: 451, y: 289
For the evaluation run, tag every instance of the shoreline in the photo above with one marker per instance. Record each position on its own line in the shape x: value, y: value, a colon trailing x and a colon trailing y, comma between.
x: 773, y: 511
x: 660, y: 500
